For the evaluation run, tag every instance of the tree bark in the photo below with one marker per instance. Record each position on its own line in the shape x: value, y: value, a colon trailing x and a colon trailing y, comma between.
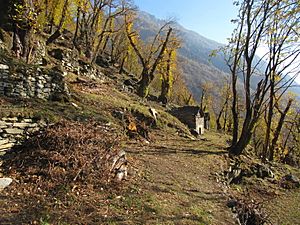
x: 148, y: 74
x: 165, y: 85
x: 270, y: 114
x: 57, y: 33
x: 165, y: 89
x: 121, y: 70
x: 143, y: 89
x: 77, y: 28
x: 219, y: 126
x: 235, y: 116
x: 278, y: 130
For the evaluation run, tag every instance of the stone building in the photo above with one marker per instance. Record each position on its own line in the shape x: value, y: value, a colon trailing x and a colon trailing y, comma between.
x: 193, y: 117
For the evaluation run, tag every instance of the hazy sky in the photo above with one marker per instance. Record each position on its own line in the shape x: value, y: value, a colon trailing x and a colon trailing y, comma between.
x: 210, y: 18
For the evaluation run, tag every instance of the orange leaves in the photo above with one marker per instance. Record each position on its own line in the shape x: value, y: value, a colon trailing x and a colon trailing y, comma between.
x: 132, y: 127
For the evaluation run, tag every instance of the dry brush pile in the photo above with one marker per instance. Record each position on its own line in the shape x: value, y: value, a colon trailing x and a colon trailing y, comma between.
x: 63, y: 171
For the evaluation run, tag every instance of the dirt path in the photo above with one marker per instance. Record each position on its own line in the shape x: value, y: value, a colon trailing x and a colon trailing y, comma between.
x: 178, y: 186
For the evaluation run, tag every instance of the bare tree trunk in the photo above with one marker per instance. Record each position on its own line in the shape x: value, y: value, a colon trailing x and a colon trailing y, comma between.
x: 235, y: 116
x: 225, y: 118
x: 144, y: 83
x: 278, y: 130
x: 188, y: 100
x: 123, y: 64
x: 165, y: 85
x: 17, y: 47
x: 290, y: 128
x: 165, y: 89
x: 57, y: 33
x: 202, y: 100
x: 76, y: 29
x: 219, y: 126
x: 270, y: 114
x: 147, y: 76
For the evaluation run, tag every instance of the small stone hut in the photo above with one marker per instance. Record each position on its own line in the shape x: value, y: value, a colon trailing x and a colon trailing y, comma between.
x: 193, y: 117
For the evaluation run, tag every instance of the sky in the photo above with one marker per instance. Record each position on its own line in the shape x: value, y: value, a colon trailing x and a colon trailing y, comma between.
x: 210, y: 18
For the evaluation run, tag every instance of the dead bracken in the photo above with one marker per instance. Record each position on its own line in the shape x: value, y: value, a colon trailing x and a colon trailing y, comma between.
x: 68, y: 163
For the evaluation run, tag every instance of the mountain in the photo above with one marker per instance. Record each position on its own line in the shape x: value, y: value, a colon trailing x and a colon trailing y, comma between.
x: 194, y: 56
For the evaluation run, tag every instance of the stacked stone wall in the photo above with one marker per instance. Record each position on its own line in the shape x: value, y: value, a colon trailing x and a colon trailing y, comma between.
x: 14, y: 130
x: 30, y: 83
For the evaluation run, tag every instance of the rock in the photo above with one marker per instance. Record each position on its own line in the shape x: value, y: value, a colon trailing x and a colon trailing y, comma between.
x: 59, y: 97
x: 129, y: 82
x: 75, y: 105
x: 3, y: 142
x: 4, y: 67
x: 14, y: 131
x: 6, y: 146
x: 57, y: 53
x: 121, y: 173
x: 2, y: 124
x: 154, y: 113
x: 5, y: 182
x: 133, y: 78
x: 263, y: 171
x: 231, y: 203
x: 119, y: 166
x: 120, y: 154
x: 234, y: 176
x: 10, y: 119
x: 101, y: 61
x: 21, y: 125
x: 118, y: 114
x: 130, y: 89
x: 27, y: 120
x: 290, y: 182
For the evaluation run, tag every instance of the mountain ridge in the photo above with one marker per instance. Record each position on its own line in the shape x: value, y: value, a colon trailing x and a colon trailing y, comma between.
x: 194, y: 56
x: 201, y: 67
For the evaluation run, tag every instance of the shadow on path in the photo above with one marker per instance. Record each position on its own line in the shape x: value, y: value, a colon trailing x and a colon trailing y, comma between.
x: 161, y: 150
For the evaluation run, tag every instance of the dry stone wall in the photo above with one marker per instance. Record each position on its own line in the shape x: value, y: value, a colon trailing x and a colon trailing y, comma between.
x: 69, y: 62
x: 30, y: 82
x: 14, y: 130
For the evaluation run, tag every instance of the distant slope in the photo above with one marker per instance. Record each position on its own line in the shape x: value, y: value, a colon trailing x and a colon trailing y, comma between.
x: 197, y: 65
x: 194, y: 56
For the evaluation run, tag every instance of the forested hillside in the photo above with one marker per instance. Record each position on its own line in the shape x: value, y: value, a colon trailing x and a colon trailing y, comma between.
x: 196, y: 56
x: 110, y: 116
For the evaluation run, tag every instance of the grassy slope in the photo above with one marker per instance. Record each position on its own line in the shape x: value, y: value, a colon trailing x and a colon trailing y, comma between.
x: 172, y: 177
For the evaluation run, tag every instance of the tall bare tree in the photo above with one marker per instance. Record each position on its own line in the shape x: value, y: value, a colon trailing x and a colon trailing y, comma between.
x: 150, y: 59
x: 256, y: 28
